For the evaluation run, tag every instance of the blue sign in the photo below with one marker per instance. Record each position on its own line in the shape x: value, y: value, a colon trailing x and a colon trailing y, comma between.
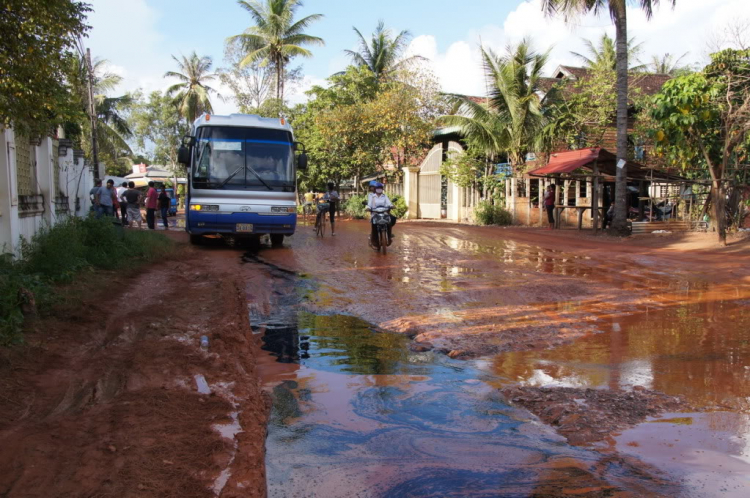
x: 503, y: 169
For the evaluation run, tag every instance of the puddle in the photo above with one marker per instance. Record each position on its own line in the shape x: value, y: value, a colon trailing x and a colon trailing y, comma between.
x: 355, y: 413
x: 700, y: 351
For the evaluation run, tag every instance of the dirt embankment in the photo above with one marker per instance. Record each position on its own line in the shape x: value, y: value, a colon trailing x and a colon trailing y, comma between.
x: 103, y: 400
x: 590, y: 415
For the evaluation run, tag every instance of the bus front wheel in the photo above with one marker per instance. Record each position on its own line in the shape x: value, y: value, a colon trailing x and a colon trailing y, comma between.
x: 277, y: 239
x: 196, y: 240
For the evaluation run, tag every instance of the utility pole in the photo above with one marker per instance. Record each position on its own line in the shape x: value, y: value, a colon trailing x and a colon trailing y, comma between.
x: 92, y: 113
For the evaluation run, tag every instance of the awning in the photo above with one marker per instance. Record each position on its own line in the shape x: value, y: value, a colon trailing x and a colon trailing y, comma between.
x: 567, y: 162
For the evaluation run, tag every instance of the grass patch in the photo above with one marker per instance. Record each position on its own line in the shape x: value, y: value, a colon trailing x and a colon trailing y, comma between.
x: 61, y: 253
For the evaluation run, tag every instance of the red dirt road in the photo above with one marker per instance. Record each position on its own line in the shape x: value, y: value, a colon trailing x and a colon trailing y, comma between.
x: 102, y: 401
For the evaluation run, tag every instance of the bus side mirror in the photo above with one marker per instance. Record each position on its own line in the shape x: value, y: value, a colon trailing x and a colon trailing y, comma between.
x: 302, y: 161
x: 183, y: 155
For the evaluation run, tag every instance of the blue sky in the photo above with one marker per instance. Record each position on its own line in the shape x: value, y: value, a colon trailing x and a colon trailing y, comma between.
x: 138, y: 36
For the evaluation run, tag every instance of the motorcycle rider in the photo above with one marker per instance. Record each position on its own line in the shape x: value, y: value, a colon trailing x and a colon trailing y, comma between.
x: 380, y: 200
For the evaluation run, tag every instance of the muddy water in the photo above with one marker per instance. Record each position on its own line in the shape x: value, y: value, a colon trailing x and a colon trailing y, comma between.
x: 700, y: 351
x: 357, y: 414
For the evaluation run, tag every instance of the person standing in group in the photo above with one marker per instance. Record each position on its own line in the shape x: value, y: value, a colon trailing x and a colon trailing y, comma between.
x: 164, y: 203
x: 105, y: 200
x: 152, y: 202
x: 132, y: 198
x: 549, y: 205
x: 93, y: 194
x: 123, y: 203
x: 332, y: 197
x: 307, y: 207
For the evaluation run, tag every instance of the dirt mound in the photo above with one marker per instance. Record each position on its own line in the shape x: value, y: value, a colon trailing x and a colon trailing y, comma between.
x: 102, y: 401
x: 589, y: 415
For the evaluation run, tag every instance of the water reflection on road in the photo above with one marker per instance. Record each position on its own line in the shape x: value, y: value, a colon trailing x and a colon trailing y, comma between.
x: 356, y: 414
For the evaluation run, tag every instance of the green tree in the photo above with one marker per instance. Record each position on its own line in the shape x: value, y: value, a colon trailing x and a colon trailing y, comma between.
x: 618, y: 12
x: 383, y: 55
x: 581, y: 117
x: 603, y: 57
x: 356, y: 126
x: 158, y: 128
x: 704, y: 118
x: 192, y: 95
x: 276, y: 37
x: 512, y: 119
x: 34, y: 51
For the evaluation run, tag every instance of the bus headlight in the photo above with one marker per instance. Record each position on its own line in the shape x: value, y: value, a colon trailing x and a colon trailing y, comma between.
x: 283, y: 209
x: 203, y: 207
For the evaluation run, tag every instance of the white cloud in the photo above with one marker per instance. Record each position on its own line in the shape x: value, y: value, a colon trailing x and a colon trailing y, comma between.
x: 675, y: 31
x: 125, y: 34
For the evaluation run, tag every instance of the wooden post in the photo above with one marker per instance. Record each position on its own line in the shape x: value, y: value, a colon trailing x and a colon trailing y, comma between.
x: 542, y: 186
x: 528, y: 197
x: 595, y: 199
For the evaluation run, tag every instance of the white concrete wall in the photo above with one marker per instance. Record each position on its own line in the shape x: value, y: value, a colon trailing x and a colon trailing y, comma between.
x: 17, y: 221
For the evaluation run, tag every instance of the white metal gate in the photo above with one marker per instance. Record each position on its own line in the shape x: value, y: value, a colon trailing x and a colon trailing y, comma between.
x: 430, y: 185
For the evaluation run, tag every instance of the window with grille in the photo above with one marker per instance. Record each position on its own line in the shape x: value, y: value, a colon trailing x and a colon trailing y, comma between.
x: 25, y: 167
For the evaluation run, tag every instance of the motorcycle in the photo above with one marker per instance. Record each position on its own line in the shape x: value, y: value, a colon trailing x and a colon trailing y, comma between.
x: 380, y: 239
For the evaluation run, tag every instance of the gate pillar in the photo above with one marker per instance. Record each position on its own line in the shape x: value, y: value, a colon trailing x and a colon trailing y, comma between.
x: 411, y: 191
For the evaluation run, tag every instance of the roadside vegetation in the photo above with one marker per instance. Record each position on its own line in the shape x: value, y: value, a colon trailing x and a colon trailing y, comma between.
x: 61, y: 254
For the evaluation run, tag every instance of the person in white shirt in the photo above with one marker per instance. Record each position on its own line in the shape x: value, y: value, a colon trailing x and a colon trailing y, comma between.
x: 123, y: 203
x: 380, y: 200
x: 332, y: 197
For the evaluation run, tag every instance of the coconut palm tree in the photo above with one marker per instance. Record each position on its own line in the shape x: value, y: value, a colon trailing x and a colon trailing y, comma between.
x: 603, y: 56
x: 383, y: 54
x: 112, y: 129
x: 276, y: 37
x: 668, y: 64
x: 192, y: 95
x: 512, y: 117
x: 618, y: 12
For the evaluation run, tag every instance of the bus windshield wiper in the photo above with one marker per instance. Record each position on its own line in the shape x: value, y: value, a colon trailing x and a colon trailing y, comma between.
x: 231, y: 176
x: 259, y: 178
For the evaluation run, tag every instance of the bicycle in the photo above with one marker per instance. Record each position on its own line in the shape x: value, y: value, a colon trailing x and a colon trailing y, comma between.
x: 320, y: 219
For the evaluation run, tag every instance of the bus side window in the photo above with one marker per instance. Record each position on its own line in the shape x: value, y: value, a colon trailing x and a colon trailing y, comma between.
x: 202, y: 170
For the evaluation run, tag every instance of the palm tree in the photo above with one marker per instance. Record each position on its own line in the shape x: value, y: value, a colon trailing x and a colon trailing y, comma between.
x: 192, y: 95
x: 512, y: 118
x: 618, y: 12
x: 112, y: 129
x: 276, y: 37
x: 603, y: 57
x: 667, y: 64
x: 382, y: 56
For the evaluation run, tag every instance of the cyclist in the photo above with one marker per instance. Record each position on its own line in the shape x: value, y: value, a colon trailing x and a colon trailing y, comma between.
x: 332, y: 197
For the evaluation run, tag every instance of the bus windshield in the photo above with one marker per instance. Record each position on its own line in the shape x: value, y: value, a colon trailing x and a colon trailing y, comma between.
x: 234, y: 158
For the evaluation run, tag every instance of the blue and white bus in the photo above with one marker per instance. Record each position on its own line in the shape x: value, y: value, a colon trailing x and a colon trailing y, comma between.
x: 242, y: 172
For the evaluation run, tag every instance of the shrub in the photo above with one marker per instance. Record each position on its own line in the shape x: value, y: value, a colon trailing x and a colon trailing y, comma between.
x: 355, y: 206
x: 59, y: 254
x: 489, y: 214
x: 399, y: 206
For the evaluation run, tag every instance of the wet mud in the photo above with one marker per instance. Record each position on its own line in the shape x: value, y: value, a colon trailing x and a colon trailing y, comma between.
x: 589, y: 415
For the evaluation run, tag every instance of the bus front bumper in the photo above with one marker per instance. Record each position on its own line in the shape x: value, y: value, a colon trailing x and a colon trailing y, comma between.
x: 241, y: 224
